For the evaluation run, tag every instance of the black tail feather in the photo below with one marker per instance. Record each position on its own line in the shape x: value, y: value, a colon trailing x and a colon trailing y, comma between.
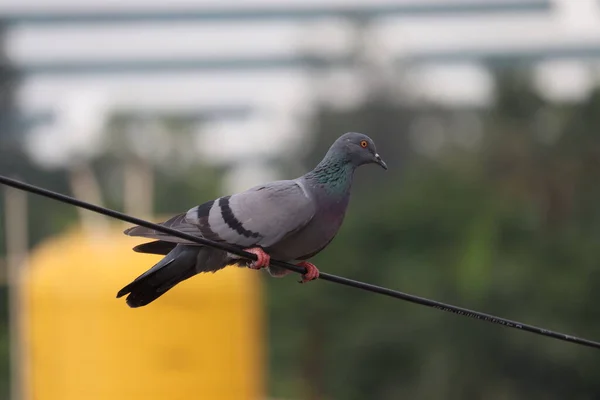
x: 146, y: 290
x: 156, y: 247
x: 183, y: 262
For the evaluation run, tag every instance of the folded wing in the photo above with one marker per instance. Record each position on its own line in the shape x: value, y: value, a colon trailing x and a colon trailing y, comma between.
x: 261, y: 216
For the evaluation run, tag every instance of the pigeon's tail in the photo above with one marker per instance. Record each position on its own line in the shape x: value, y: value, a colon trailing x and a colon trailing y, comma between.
x: 183, y: 262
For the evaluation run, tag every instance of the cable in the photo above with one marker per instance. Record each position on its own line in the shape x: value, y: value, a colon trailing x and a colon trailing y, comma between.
x: 323, y: 276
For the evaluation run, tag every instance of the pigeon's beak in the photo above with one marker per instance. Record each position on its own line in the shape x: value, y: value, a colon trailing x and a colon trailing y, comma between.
x: 379, y: 161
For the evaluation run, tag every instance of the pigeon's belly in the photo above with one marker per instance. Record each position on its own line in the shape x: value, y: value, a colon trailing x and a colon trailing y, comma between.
x: 313, y: 238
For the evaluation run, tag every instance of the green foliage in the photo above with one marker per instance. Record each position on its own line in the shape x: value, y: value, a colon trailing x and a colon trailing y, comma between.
x: 510, y: 227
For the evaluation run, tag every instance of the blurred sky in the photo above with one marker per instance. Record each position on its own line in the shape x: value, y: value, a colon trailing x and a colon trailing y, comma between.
x: 279, y: 98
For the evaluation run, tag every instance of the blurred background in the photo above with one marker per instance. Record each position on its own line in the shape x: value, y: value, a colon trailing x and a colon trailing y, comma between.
x: 486, y: 111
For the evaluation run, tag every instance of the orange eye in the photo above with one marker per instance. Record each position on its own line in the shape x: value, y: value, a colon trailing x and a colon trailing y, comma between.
x: 364, y: 144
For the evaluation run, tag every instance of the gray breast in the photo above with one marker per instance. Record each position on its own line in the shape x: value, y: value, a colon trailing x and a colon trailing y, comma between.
x: 315, y: 236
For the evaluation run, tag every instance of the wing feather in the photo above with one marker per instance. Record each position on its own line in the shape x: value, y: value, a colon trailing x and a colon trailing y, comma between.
x: 260, y: 216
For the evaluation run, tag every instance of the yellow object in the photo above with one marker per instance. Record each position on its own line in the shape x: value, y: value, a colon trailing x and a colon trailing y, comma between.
x: 201, y: 340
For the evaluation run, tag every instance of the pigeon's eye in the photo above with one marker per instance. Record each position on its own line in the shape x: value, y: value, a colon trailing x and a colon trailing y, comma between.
x: 363, y: 144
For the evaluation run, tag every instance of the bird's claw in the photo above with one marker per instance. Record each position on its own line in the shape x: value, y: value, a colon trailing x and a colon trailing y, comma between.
x: 263, y: 258
x: 311, y: 273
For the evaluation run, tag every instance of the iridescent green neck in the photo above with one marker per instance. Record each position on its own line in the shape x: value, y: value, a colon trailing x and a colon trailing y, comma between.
x: 335, y: 174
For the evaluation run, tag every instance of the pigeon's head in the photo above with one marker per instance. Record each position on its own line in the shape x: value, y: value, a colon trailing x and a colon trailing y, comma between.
x: 359, y: 148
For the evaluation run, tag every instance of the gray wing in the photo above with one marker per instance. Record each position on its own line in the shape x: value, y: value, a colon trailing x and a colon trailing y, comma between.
x: 260, y: 216
x: 177, y: 222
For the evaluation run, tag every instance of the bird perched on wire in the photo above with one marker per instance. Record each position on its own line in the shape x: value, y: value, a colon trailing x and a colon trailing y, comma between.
x: 289, y: 220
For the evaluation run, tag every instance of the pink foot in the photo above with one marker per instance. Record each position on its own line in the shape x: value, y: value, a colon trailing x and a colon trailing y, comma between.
x: 312, y: 272
x: 263, y: 258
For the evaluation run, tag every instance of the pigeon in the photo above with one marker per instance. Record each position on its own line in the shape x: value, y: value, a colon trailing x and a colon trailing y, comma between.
x: 289, y: 220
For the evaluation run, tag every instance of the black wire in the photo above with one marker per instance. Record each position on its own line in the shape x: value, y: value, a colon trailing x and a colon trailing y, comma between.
x: 323, y: 276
